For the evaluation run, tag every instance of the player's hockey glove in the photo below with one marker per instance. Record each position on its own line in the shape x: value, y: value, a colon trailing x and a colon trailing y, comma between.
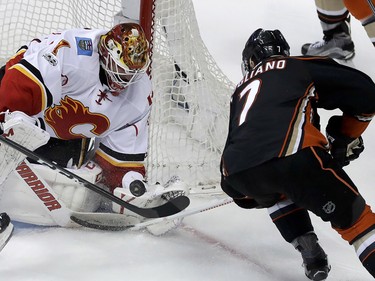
x: 343, y: 149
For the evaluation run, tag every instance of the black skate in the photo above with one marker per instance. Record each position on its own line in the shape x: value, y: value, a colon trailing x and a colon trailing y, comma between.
x: 6, y: 230
x: 339, y: 46
x: 314, y: 258
x: 337, y: 43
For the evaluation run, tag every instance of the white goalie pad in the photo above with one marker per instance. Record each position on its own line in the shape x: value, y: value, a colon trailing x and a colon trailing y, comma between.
x: 21, y: 130
x: 27, y: 199
x: 173, y: 188
x: 156, y: 195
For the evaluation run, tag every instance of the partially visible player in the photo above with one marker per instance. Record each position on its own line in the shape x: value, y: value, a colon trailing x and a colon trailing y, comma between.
x: 275, y: 156
x: 85, y: 86
x: 335, y: 21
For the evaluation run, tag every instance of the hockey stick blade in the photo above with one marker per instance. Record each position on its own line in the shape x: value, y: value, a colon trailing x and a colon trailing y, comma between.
x: 102, y: 221
x: 118, y: 222
x: 169, y: 208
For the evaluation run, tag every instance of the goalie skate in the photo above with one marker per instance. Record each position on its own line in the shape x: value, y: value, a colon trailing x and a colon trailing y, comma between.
x: 6, y: 230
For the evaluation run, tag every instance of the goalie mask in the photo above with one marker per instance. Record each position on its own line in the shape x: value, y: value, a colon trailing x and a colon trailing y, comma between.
x: 263, y: 44
x: 124, y: 55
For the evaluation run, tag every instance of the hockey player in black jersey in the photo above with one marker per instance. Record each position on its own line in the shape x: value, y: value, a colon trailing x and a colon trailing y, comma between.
x: 275, y: 156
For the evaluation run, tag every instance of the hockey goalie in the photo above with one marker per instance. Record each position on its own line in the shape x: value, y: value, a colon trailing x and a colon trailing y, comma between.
x: 82, y: 99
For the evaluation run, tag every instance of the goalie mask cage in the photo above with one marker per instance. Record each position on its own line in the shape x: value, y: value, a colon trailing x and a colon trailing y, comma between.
x: 189, y: 117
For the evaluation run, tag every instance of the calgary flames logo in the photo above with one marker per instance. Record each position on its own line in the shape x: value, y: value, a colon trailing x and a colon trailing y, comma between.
x: 72, y: 120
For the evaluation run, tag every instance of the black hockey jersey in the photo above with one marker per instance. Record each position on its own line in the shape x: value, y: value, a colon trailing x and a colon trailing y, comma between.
x: 273, y: 109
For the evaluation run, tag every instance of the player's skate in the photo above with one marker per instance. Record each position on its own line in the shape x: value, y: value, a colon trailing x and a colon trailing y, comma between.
x: 6, y: 229
x: 314, y: 258
x: 336, y: 43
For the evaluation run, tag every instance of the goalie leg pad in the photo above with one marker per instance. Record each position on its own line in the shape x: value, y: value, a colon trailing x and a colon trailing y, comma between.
x: 172, y: 189
x: 20, y: 202
x: 75, y: 196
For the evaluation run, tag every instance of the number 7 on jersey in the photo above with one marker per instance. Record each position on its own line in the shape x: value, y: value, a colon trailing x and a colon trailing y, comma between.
x: 250, y: 92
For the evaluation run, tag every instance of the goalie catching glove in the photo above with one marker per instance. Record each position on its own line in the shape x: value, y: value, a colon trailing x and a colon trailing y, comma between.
x: 343, y: 149
x: 137, y: 192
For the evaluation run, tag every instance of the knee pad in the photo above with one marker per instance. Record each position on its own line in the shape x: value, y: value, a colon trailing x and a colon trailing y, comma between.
x: 358, y: 233
x: 350, y: 216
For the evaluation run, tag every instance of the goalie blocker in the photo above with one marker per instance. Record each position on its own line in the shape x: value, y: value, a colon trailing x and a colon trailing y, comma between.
x: 21, y: 129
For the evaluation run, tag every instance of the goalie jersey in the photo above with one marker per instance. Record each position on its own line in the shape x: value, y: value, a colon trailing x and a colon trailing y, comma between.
x: 58, y: 80
x: 273, y: 111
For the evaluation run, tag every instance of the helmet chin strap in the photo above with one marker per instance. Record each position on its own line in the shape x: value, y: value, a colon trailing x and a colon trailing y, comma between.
x: 252, y: 63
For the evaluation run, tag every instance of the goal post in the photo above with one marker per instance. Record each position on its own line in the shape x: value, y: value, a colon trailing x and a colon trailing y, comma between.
x: 189, y: 117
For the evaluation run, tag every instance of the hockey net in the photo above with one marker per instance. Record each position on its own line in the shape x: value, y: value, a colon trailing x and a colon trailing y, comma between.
x: 188, y: 121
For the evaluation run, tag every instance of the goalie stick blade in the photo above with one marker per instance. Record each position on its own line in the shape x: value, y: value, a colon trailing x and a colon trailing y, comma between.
x: 171, y: 207
x: 101, y: 221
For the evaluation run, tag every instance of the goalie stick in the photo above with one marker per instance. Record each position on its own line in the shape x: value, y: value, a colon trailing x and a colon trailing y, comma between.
x: 171, y: 207
x: 117, y: 222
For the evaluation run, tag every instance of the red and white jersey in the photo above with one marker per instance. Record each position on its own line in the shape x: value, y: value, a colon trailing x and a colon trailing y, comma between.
x: 57, y: 80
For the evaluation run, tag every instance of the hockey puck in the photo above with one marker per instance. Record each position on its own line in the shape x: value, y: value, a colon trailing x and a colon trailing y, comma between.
x: 137, y: 188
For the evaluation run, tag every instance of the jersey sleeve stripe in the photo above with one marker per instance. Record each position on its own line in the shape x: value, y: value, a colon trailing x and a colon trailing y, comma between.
x: 294, y: 138
x: 34, y: 75
x: 115, y: 162
x: 122, y: 156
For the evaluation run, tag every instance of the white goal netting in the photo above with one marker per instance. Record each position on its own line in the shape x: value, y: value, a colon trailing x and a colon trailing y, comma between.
x: 191, y: 95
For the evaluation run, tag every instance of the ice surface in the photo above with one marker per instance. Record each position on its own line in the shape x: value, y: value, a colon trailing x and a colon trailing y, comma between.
x: 224, y: 244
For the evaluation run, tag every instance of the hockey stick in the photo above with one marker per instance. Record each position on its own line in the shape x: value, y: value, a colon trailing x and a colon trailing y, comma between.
x: 187, y: 212
x: 372, y: 6
x: 173, y: 206
x: 117, y: 222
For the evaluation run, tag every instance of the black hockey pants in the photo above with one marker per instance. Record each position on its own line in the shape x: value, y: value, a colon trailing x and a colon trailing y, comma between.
x: 310, y: 178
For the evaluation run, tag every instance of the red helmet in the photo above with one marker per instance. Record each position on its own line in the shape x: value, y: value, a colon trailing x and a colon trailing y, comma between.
x: 124, y: 55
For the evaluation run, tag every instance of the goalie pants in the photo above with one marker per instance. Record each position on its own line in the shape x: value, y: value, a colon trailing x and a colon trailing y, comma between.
x: 310, y: 180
